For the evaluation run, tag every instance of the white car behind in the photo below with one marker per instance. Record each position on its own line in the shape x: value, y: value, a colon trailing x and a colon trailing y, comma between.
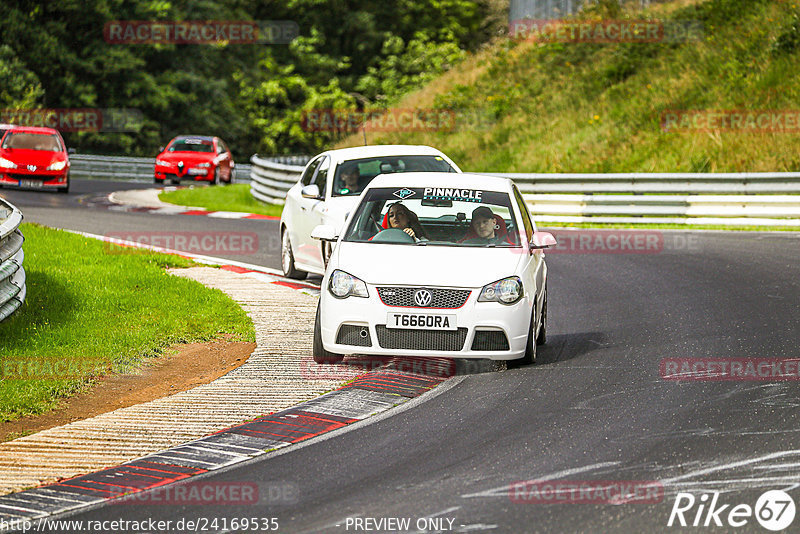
x: 319, y: 197
x: 466, y: 289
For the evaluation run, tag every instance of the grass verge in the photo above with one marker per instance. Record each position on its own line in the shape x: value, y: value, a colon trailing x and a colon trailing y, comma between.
x: 92, y: 310
x: 602, y: 107
x: 234, y: 197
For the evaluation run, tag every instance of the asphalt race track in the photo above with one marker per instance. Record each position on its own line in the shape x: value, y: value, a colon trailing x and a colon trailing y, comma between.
x: 74, y: 212
x: 595, y: 407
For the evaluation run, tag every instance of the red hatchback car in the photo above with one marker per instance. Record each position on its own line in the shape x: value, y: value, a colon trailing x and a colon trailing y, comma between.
x: 196, y: 158
x: 34, y: 158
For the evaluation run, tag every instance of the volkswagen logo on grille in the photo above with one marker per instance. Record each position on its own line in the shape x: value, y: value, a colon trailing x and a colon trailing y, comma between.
x: 32, y: 168
x: 423, y: 298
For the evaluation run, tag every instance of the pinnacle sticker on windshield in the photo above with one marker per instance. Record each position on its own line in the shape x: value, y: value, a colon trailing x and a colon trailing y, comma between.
x: 449, y: 193
x: 404, y: 193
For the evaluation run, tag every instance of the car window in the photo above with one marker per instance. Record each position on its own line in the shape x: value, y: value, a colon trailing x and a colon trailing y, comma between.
x: 526, y: 216
x: 32, y: 141
x: 309, y: 172
x: 223, y: 147
x: 369, y: 168
x: 443, y: 216
x: 321, y: 179
x: 191, y: 145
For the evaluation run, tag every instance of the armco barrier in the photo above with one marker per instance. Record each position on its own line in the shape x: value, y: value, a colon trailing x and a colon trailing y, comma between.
x: 726, y: 199
x: 90, y: 166
x: 12, y: 275
x: 271, y: 178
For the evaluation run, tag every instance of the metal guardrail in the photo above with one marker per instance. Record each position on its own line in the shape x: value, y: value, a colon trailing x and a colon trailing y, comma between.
x: 726, y: 199
x: 120, y: 168
x: 271, y: 178
x: 12, y: 275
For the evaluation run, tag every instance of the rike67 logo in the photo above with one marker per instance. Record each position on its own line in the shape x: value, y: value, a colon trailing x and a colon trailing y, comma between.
x: 774, y: 510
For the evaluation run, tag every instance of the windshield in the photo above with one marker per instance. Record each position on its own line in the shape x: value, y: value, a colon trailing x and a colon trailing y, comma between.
x: 191, y: 145
x: 435, y: 216
x: 32, y: 141
x: 354, y: 175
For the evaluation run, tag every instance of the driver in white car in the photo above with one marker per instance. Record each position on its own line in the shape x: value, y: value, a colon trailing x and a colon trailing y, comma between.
x: 399, y: 216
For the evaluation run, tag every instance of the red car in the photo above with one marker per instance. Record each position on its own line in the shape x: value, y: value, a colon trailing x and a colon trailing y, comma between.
x: 196, y: 158
x: 34, y: 158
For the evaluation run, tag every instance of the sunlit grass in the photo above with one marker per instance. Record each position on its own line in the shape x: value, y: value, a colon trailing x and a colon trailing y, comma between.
x: 91, y: 310
x: 234, y: 197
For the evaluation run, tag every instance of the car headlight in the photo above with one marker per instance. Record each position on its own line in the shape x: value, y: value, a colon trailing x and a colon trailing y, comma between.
x: 343, y: 285
x: 203, y: 165
x: 4, y: 163
x: 505, y: 291
x: 162, y: 163
x: 57, y: 166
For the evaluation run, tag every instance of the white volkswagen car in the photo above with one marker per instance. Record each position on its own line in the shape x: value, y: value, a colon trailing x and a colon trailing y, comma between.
x: 329, y: 189
x: 434, y: 266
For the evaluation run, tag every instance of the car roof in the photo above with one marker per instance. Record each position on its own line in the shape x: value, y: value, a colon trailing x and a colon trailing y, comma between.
x: 441, y: 179
x: 358, y: 152
x: 33, y: 130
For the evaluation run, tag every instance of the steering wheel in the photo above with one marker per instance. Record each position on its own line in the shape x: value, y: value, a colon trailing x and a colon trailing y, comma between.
x: 373, y: 219
x: 392, y: 235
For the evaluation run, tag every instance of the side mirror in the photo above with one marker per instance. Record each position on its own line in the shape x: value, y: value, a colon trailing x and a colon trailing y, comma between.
x: 324, y: 232
x: 310, y: 191
x: 542, y: 240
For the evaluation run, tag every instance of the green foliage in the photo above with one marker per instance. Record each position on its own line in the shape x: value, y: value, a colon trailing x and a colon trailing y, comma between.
x: 350, y: 53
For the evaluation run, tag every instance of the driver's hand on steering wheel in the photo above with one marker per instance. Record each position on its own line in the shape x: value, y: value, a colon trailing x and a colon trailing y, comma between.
x: 409, y: 231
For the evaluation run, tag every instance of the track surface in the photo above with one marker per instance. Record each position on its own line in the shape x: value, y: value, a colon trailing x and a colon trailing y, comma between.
x: 594, y: 408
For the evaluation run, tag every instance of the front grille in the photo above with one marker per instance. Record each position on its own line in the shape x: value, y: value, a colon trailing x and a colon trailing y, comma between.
x: 490, y: 340
x: 439, y: 340
x: 17, y: 176
x: 350, y: 334
x: 441, y: 298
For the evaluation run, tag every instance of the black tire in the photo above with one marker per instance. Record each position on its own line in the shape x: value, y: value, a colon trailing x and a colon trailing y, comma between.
x: 215, y: 180
x: 176, y: 182
x: 530, y: 347
x: 287, y: 259
x: 318, y: 351
x: 158, y: 181
x: 541, y: 339
x: 64, y: 189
